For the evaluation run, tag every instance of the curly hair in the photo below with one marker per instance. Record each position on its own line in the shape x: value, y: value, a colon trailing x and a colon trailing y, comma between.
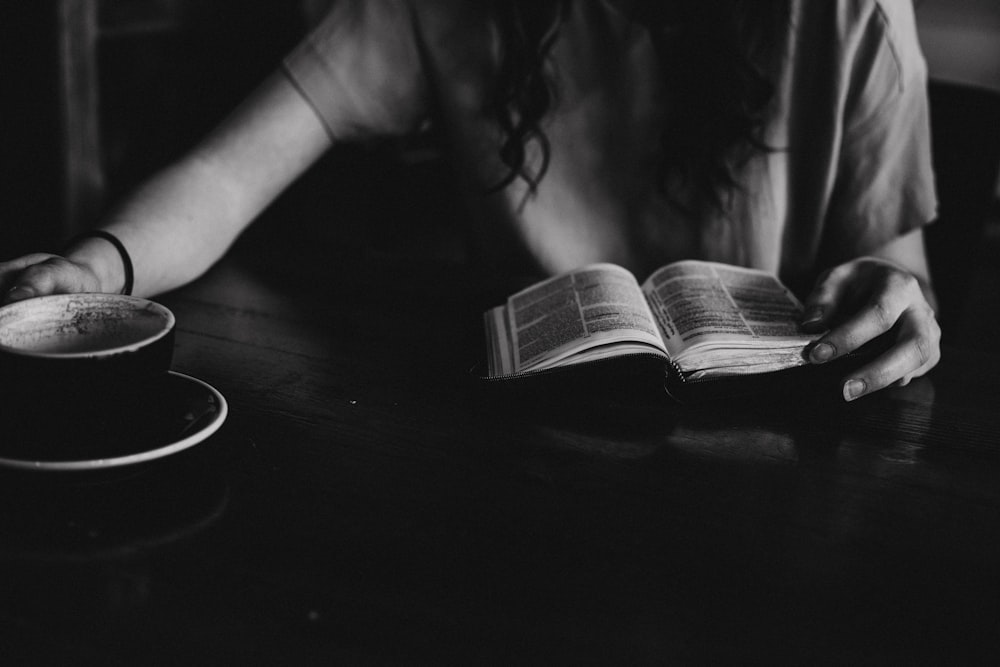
x: 715, y: 63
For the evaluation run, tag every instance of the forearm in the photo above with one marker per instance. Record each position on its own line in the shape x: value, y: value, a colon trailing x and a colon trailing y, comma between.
x: 174, y: 227
x: 186, y: 217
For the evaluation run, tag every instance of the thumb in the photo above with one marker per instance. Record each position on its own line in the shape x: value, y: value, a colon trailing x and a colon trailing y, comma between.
x: 19, y: 293
x: 54, y: 275
x: 10, y: 270
x: 826, y: 298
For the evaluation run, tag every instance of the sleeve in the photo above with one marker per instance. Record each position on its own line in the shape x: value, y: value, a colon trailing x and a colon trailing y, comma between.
x: 884, y: 177
x: 360, y: 69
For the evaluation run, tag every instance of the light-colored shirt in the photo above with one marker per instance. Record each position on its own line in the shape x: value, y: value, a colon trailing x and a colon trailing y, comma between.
x: 851, y: 170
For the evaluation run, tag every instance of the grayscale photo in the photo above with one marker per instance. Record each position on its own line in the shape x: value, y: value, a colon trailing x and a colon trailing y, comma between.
x: 504, y: 332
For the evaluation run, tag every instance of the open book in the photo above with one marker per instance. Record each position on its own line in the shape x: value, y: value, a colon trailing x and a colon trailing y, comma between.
x: 704, y: 320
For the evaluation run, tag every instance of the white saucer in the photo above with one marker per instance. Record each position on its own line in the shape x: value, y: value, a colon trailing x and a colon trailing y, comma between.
x: 152, y: 422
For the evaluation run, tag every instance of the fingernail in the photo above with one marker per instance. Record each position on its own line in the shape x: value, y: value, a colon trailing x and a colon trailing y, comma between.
x: 822, y: 353
x: 853, y: 389
x: 18, y: 293
x: 813, y: 315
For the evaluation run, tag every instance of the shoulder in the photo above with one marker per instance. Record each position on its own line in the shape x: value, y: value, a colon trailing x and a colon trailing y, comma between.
x: 454, y: 30
x: 869, y: 52
x: 435, y: 33
x: 366, y: 65
x: 891, y: 23
x: 860, y: 30
x: 399, y: 17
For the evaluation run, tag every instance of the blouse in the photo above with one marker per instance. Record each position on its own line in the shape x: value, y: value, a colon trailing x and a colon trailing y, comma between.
x: 851, y: 169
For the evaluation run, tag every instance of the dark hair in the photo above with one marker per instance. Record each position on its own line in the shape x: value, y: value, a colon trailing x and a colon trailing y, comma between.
x: 715, y: 63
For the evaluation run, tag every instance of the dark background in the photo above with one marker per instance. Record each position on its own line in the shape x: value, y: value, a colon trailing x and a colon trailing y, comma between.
x: 164, y: 73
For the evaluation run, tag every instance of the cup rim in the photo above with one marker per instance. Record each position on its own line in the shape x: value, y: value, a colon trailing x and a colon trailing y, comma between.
x: 169, y: 324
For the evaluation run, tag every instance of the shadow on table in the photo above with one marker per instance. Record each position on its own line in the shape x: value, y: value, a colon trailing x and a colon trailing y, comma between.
x: 113, y: 514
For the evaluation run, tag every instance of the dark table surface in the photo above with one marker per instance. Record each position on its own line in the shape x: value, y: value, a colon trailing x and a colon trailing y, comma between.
x: 367, y: 501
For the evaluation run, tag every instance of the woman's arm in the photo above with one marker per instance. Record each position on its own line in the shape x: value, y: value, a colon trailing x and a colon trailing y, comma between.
x: 184, y: 218
x: 886, y: 294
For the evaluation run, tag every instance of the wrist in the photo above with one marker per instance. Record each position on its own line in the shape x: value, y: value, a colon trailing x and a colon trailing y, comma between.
x: 99, y: 259
x: 105, y: 257
x: 921, y: 276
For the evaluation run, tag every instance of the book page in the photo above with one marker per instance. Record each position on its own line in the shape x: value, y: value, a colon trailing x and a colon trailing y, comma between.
x: 706, y: 303
x: 597, y: 305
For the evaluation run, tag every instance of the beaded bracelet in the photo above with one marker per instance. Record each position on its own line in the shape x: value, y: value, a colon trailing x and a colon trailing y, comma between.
x: 119, y: 246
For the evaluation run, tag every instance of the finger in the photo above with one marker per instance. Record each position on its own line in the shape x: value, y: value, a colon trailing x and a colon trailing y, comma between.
x: 9, y: 270
x: 55, y: 275
x: 822, y: 304
x: 916, y: 351
x: 898, y: 292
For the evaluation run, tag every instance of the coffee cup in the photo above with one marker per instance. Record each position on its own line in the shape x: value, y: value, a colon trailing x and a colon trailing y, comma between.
x: 76, y: 346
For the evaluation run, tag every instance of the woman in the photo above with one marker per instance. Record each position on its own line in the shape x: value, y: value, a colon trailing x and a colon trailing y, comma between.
x: 785, y: 135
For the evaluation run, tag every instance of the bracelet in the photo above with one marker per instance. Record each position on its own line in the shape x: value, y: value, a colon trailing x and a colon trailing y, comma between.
x: 119, y: 246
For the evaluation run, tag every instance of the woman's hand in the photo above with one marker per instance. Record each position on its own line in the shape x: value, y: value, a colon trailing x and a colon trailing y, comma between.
x: 862, y: 300
x: 40, y: 274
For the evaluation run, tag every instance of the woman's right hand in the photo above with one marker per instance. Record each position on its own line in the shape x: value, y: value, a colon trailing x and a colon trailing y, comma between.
x: 39, y: 274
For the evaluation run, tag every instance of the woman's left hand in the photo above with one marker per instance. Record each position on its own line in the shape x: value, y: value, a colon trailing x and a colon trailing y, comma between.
x: 862, y: 300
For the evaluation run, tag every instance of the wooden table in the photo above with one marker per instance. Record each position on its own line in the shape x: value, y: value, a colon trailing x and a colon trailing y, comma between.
x: 366, y: 501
